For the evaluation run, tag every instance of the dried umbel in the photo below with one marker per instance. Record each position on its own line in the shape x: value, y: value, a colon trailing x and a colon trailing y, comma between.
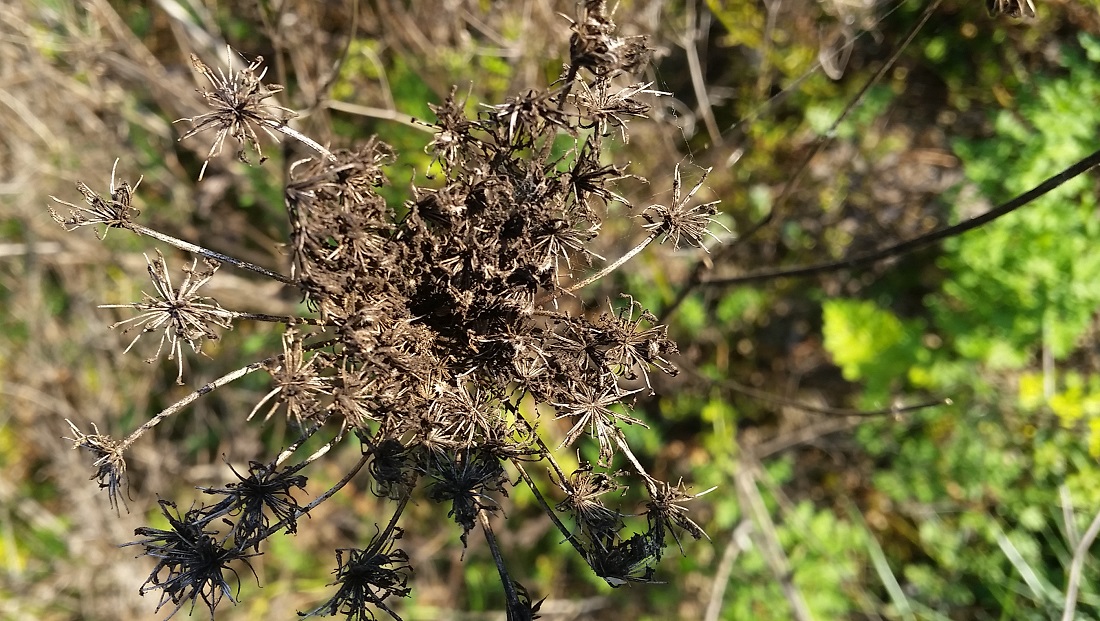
x: 1011, y: 8
x: 433, y: 329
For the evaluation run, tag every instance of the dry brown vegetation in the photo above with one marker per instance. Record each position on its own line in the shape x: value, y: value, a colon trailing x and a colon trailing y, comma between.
x: 83, y: 84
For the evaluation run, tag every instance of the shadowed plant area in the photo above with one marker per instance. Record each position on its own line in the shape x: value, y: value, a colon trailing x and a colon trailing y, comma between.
x: 577, y: 310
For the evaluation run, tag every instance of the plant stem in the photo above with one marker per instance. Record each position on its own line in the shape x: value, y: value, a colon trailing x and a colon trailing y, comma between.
x: 600, y: 274
x: 300, y: 137
x: 509, y: 589
x: 549, y: 510
x: 191, y: 398
x: 210, y: 254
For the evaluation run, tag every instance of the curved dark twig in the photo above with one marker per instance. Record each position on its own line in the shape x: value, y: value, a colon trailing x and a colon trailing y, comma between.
x: 1080, y: 167
x: 822, y: 141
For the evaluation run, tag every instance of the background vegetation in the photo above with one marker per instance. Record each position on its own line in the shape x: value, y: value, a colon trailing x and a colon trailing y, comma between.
x: 824, y: 509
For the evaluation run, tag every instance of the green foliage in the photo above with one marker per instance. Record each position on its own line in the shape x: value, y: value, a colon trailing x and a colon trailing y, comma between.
x: 1025, y: 284
x: 827, y: 556
x: 1031, y: 276
x: 872, y: 344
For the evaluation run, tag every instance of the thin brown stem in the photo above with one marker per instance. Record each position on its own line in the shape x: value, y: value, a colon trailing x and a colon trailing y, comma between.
x: 300, y: 137
x: 287, y: 319
x: 572, y: 539
x: 191, y: 398
x: 211, y: 254
x: 604, y: 272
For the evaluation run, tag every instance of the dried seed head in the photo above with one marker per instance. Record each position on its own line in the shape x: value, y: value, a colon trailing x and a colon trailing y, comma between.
x: 466, y: 479
x: 298, y: 383
x: 367, y: 577
x: 623, y: 561
x: 585, y: 489
x: 191, y: 561
x: 116, y: 212
x: 591, y: 408
x: 109, y: 462
x: 680, y: 223
x: 633, y: 347
x: 265, y: 488
x: 666, y: 510
x: 594, y: 46
x: 182, y: 315
x: 237, y: 103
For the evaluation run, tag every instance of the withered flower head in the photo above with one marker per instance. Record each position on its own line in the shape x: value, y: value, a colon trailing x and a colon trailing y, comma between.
x: 431, y: 332
x: 584, y: 500
x: 298, y: 385
x: 666, y: 510
x: 238, y: 106
x: 594, y: 46
x: 632, y: 347
x: 466, y: 479
x: 453, y: 131
x: 182, y: 315
x: 109, y: 462
x: 115, y: 212
x: 621, y: 562
x: 368, y: 577
x: 591, y: 408
x: 391, y: 469
x: 528, y: 115
x: 191, y: 561
x: 678, y: 222
x: 265, y: 488
x: 604, y: 108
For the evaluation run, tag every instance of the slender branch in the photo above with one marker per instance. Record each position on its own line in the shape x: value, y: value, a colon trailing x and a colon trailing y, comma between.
x: 572, y: 539
x: 290, y: 450
x: 1073, y: 538
x: 802, y: 436
x: 1073, y: 171
x: 204, y: 252
x: 1076, y: 567
x: 287, y: 319
x: 604, y: 272
x: 509, y: 589
x: 401, y: 504
x: 321, y: 452
x: 379, y: 113
x: 191, y: 398
x: 625, y: 448
x: 300, y: 137
x: 827, y: 410
x: 725, y: 568
x: 698, y: 82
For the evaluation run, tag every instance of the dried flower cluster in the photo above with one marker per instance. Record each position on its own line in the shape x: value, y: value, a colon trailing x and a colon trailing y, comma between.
x: 434, y: 327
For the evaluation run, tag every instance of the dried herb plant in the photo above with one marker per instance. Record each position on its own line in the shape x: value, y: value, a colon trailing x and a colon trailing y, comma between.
x: 433, y: 328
